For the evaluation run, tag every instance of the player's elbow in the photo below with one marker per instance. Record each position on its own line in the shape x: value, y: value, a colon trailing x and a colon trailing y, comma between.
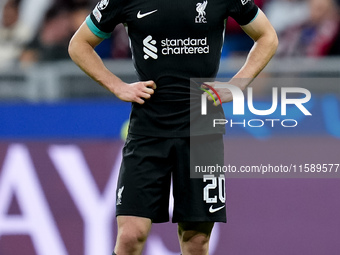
x: 274, y: 41
x: 72, y: 48
x: 76, y: 48
x: 269, y: 41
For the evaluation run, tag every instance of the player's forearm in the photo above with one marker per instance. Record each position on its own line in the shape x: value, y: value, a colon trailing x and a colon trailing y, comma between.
x: 84, y: 55
x: 257, y: 59
x: 264, y: 48
x: 81, y: 50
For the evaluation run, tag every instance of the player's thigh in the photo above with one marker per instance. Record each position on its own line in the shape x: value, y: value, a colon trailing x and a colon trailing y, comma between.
x: 200, y: 199
x: 144, y: 178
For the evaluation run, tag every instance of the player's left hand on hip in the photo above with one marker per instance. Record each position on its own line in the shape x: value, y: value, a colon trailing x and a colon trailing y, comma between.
x: 216, y: 94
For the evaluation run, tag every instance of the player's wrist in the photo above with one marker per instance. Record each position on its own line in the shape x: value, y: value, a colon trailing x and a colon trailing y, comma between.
x: 242, y: 83
x: 117, y: 87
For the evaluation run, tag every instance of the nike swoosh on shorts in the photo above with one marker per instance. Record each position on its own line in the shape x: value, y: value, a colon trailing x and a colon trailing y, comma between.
x: 213, y: 210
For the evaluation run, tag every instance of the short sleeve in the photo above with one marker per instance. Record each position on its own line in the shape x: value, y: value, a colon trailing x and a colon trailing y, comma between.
x: 105, y: 17
x: 243, y: 11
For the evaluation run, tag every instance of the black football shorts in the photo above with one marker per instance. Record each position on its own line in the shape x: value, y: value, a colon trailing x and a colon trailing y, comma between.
x: 149, y: 164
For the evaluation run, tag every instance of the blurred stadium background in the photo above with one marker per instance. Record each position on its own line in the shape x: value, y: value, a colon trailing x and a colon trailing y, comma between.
x: 61, y: 137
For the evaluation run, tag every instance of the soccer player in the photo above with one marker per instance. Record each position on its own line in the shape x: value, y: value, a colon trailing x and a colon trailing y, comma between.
x: 171, y: 42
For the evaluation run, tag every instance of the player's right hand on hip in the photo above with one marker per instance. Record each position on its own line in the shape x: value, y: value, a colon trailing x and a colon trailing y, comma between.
x: 136, y: 92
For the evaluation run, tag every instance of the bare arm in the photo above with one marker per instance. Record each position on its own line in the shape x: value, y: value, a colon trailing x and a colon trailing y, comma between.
x: 264, y: 48
x: 81, y: 50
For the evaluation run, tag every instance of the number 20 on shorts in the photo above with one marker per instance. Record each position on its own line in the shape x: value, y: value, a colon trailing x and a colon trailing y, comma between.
x: 213, y: 183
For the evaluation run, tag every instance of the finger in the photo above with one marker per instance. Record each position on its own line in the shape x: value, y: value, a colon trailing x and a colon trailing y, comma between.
x: 211, y: 95
x: 149, y: 91
x: 139, y: 100
x: 211, y: 84
x: 214, y: 99
x: 145, y: 95
x: 216, y: 102
x: 150, y: 84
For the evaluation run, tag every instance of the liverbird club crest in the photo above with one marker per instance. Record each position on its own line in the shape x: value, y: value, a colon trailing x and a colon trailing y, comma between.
x: 119, y: 196
x: 200, y: 8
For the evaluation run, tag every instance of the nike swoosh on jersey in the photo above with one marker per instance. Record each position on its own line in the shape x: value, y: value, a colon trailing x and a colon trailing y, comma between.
x: 139, y: 15
x: 213, y: 210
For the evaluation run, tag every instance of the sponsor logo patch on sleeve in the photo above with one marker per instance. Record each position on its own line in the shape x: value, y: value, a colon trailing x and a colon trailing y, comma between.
x: 97, y: 14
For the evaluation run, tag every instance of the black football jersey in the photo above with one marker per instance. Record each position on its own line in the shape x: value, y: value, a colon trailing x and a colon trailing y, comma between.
x: 171, y: 42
